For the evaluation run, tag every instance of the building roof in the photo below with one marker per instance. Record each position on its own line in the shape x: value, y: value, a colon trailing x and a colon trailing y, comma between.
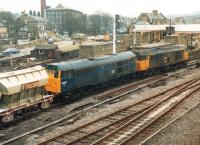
x: 142, y: 23
x: 37, y: 18
x: 11, y: 50
x: 13, y: 56
x: 157, y: 16
x: 153, y: 16
x: 185, y: 28
x: 66, y: 46
x: 61, y: 7
x: 2, y: 25
x: 46, y: 46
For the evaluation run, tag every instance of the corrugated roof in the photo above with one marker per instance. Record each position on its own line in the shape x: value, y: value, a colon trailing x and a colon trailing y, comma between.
x: 47, y: 46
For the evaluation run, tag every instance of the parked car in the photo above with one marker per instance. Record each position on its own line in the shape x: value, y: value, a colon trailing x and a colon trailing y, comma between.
x: 10, y: 51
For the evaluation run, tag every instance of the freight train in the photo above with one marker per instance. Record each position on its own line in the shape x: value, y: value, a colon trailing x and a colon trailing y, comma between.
x: 37, y: 86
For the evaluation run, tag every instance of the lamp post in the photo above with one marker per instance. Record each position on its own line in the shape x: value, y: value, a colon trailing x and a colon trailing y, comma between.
x: 114, y: 35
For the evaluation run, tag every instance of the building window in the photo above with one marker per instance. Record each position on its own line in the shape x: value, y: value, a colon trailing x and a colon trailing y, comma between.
x: 41, y: 51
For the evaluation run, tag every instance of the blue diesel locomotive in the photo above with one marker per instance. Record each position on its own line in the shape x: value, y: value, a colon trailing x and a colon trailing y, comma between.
x: 68, y: 76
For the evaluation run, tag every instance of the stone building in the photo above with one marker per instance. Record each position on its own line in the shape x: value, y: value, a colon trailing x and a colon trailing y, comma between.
x: 153, y: 18
x: 30, y: 25
x: 65, y: 20
x: 146, y: 34
x: 3, y: 31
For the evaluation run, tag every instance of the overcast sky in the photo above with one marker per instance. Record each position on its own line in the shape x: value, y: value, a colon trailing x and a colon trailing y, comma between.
x: 131, y: 8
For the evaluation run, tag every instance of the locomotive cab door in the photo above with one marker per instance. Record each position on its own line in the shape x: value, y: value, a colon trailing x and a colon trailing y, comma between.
x: 67, y: 80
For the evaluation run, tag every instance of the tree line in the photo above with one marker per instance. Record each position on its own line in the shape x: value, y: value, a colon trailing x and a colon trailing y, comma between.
x: 94, y: 24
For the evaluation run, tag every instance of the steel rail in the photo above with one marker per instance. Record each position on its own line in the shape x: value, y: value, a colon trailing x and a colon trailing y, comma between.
x: 182, y: 89
x: 138, y: 103
x: 188, y: 95
x: 87, y: 109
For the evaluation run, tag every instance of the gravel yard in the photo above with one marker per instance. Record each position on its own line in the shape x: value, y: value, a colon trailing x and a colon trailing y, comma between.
x: 184, y: 131
x: 139, y: 95
x: 55, y: 113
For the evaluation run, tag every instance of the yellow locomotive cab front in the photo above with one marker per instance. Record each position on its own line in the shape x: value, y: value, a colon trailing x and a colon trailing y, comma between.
x: 143, y: 64
x: 54, y: 82
x: 186, y: 55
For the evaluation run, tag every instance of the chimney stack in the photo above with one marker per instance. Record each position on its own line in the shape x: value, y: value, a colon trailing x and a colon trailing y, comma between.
x: 43, y: 6
x: 155, y: 12
x: 31, y: 12
x: 38, y: 14
x: 34, y: 13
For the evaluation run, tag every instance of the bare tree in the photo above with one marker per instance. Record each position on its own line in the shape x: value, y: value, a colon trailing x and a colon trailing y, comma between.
x: 99, y: 23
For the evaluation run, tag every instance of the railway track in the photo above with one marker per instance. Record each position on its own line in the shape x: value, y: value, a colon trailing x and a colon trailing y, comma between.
x: 137, y: 85
x: 116, y: 94
x: 120, y: 125
x: 161, y: 129
x: 124, y: 134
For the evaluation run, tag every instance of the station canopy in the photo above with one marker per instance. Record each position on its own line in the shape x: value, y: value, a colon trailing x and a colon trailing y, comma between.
x: 185, y: 28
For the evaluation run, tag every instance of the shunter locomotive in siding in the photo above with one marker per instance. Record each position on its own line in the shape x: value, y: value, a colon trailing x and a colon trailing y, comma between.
x: 70, y: 76
x: 23, y: 89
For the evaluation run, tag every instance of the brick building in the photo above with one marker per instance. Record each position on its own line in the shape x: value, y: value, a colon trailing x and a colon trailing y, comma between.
x: 65, y: 19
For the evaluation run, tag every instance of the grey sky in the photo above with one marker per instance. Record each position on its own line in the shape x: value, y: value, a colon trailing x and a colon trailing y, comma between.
x: 129, y: 8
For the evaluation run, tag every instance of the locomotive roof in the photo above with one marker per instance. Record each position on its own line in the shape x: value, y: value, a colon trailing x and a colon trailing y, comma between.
x: 86, y: 63
x: 157, y: 50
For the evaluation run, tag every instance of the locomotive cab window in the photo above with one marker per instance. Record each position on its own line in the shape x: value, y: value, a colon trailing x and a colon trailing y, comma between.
x: 141, y: 57
x: 56, y: 74
x: 66, y: 74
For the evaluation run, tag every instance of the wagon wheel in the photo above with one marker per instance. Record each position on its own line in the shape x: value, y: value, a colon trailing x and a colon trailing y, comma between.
x: 45, y: 105
x: 7, y: 118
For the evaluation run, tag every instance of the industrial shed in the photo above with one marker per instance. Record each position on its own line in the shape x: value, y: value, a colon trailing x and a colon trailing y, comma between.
x: 45, y: 51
